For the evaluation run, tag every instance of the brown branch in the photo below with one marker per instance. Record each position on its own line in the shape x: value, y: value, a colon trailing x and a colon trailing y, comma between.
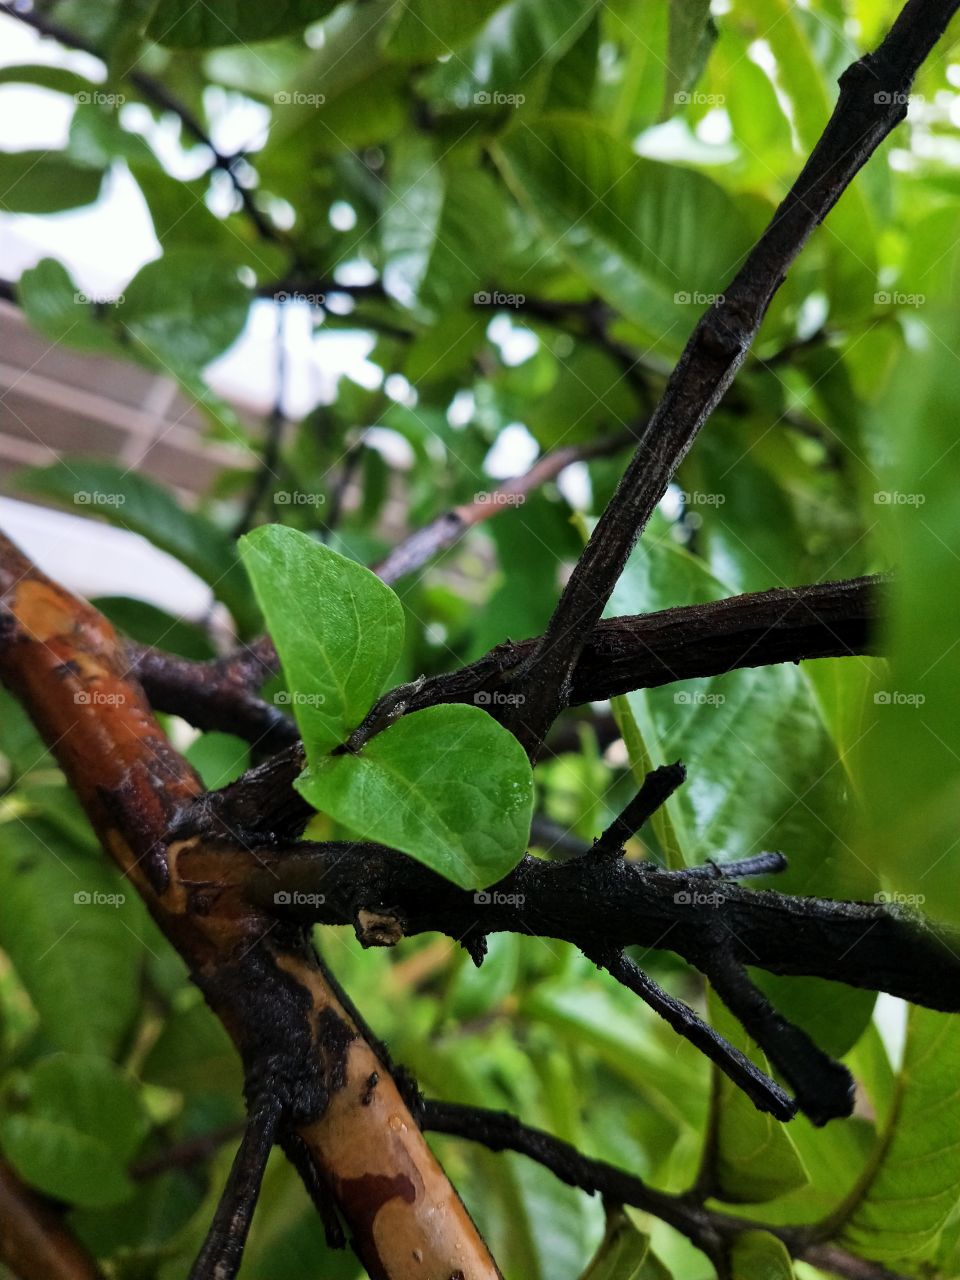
x: 709, y: 1229
x: 441, y: 533
x: 219, y: 695
x: 788, y: 624
x: 299, y: 1044
x: 618, y: 904
x: 34, y: 1243
x: 872, y: 101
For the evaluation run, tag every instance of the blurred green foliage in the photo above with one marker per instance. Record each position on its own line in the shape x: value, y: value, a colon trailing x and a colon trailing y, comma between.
x: 525, y: 205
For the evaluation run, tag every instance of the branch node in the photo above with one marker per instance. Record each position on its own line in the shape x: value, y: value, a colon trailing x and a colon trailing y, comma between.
x: 381, y: 928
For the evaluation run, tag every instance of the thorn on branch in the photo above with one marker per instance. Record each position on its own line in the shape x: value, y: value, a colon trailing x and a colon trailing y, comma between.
x: 658, y: 786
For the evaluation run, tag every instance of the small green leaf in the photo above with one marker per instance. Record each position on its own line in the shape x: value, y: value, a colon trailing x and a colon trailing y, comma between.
x: 625, y: 1254
x: 757, y: 1255
x: 338, y: 630
x: 219, y: 758
x: 448, y: 785
x: 185, y: 308
x: 184, y: 24
x: 147, y: 624
x: 691, y: 35
x: 60, y: 311
x: 193, y: 1055
x: 45, y: 182
x: 83, y: 1123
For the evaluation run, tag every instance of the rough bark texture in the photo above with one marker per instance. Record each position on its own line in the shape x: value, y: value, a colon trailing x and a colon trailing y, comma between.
x: 297, y: 1041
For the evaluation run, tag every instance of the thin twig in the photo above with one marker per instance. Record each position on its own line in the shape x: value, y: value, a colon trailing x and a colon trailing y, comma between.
x: 709, y: 1229
x: 764, y: 1093
x: 222, y: 1251
x: 446, y: 529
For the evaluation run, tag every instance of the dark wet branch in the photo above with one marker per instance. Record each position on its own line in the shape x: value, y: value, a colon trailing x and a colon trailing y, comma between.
x: 764, y: 1093
x: 603, y: 905
x: 788, y: 624
x: 709, y: 1229
x: 658, y: 786
x: 216, y: 695
x: 824, y: 1088
x: 222, y: 1251
x: 872, y: 101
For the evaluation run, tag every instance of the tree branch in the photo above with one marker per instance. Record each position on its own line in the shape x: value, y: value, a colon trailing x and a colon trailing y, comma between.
x: 658, y: 786
x: 34, y: 1243
x: 872, y: 101
x: 618, y: 904
x: 788, y: 624
x: 709, y: 1229
x: 441, y: 533
x: 299, y: 1044
x: 222, y: 1251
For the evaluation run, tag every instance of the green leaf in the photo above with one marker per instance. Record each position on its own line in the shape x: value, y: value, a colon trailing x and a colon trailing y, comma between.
x: 45, y: 182
x: 83, y: 1123
x: 60, y: 311
x: 752, y: 1155
x: 655, y: 240
x: 757, y: 1255
x: 148, y: 624
x: 194, y: 1055
x: 338, y: 630
x: 625, y: 1254
x: 442, y: 230
x: 448, y: 785
x: 132, y: 501
x: 219, y: 758
x: 911, y: 747
x: 908, y: 1192
x: 691, y: 34
x: 426, y: 28
x: 183, y: 24
x: 519, y: 41
x: 185, y: 308
x: 73, y: 945
x: 58, y: 79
